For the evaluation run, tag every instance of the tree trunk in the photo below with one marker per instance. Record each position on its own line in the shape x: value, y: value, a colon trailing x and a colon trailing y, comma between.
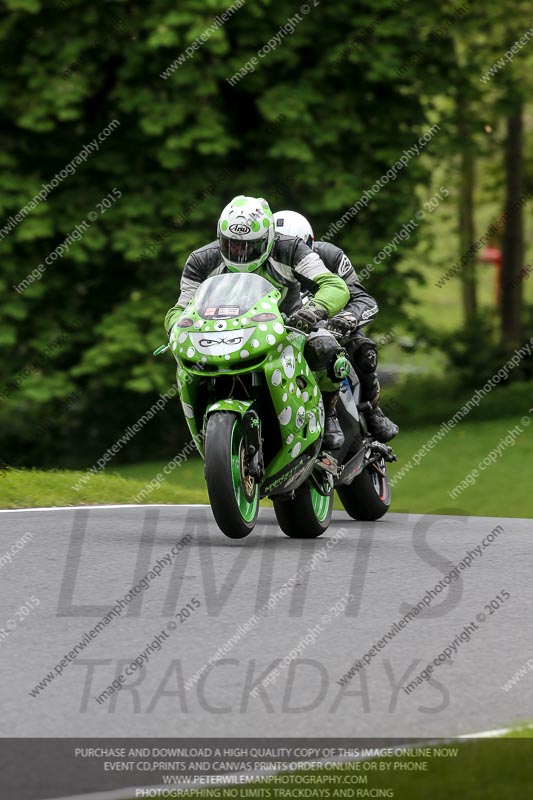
x: 466, y: 213
x: 513, y: 237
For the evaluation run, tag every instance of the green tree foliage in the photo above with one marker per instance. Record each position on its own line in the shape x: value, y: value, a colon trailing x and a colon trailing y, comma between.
x: 317, y: 122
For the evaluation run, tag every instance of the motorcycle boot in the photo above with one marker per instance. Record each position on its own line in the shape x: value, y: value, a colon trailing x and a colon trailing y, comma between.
x: 333, y: 435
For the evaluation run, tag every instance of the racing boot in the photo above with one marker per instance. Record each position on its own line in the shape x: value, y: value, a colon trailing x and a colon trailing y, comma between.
x: 365, y: 358
x: 333, y: 435
x: 379, y: 426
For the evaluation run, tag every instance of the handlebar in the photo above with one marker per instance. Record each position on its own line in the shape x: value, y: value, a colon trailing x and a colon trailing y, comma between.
x: 285, y: 318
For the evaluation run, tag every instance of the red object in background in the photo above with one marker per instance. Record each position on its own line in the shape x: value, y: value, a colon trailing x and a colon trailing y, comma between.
x: 493, y: 255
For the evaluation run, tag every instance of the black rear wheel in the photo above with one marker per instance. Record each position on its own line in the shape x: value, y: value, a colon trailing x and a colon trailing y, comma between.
x: 233, y: 493
x: 307, y: 514
x: 368, y: 496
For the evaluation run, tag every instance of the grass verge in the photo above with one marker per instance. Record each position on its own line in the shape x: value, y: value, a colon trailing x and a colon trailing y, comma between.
x: 502, y: 489
x: 473, y: 769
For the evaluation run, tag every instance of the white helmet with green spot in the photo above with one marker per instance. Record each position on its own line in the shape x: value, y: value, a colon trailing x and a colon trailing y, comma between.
x: 246, y: 233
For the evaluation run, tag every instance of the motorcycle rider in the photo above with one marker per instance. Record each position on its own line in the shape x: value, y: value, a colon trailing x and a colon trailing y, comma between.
x: 360, y: 310
x: 247, y: 242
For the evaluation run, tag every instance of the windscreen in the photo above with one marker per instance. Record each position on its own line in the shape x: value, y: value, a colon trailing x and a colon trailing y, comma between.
x: 230, y: 295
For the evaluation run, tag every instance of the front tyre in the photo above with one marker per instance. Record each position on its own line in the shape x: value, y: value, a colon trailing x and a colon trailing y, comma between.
x: 234, y: 495
x: 307, y: 514
x: 368, y: 496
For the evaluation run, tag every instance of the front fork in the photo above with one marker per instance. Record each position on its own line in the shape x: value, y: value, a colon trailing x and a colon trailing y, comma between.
x: 253, y: 441
x: 253, y: 444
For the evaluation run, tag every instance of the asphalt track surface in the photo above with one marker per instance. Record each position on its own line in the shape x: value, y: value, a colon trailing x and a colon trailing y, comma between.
x: 80, y: 561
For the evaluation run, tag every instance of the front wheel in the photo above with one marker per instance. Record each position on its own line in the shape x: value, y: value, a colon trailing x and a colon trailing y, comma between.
x: 307, y: 514
x: 368, y: 496
x: 233, y: 493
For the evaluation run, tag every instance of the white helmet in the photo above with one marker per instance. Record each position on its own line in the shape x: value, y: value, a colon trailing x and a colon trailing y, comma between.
x: 245, y: 233
x: 293, y: 224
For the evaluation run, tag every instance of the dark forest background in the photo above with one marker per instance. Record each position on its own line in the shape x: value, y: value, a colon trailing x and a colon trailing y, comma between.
x: 318, y: 122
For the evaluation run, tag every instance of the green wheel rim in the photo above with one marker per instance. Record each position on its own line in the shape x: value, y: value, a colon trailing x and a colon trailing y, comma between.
x: 247, y: 508
x: 320, y: 503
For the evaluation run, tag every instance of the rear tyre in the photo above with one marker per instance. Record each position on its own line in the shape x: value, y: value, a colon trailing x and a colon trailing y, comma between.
x: 234, y: 495
x: 307, y: 515
x: 368, y: 497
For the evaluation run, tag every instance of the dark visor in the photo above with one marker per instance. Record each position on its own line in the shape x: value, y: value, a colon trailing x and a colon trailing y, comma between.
x: 240, y: 251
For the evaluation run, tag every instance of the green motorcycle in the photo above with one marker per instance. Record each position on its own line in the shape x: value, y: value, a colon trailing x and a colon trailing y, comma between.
x: 255, y: 412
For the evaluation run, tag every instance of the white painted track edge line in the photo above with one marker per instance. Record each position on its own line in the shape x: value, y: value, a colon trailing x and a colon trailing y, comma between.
x: 95, y: 507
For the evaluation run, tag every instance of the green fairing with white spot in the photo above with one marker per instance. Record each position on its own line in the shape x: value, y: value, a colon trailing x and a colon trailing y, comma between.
x: 255, y: 411
x: 211, y: 345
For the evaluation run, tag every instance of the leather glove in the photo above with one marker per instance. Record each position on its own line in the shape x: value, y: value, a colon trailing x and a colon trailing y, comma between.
x: 307, y: 317
x: 343, y: 324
